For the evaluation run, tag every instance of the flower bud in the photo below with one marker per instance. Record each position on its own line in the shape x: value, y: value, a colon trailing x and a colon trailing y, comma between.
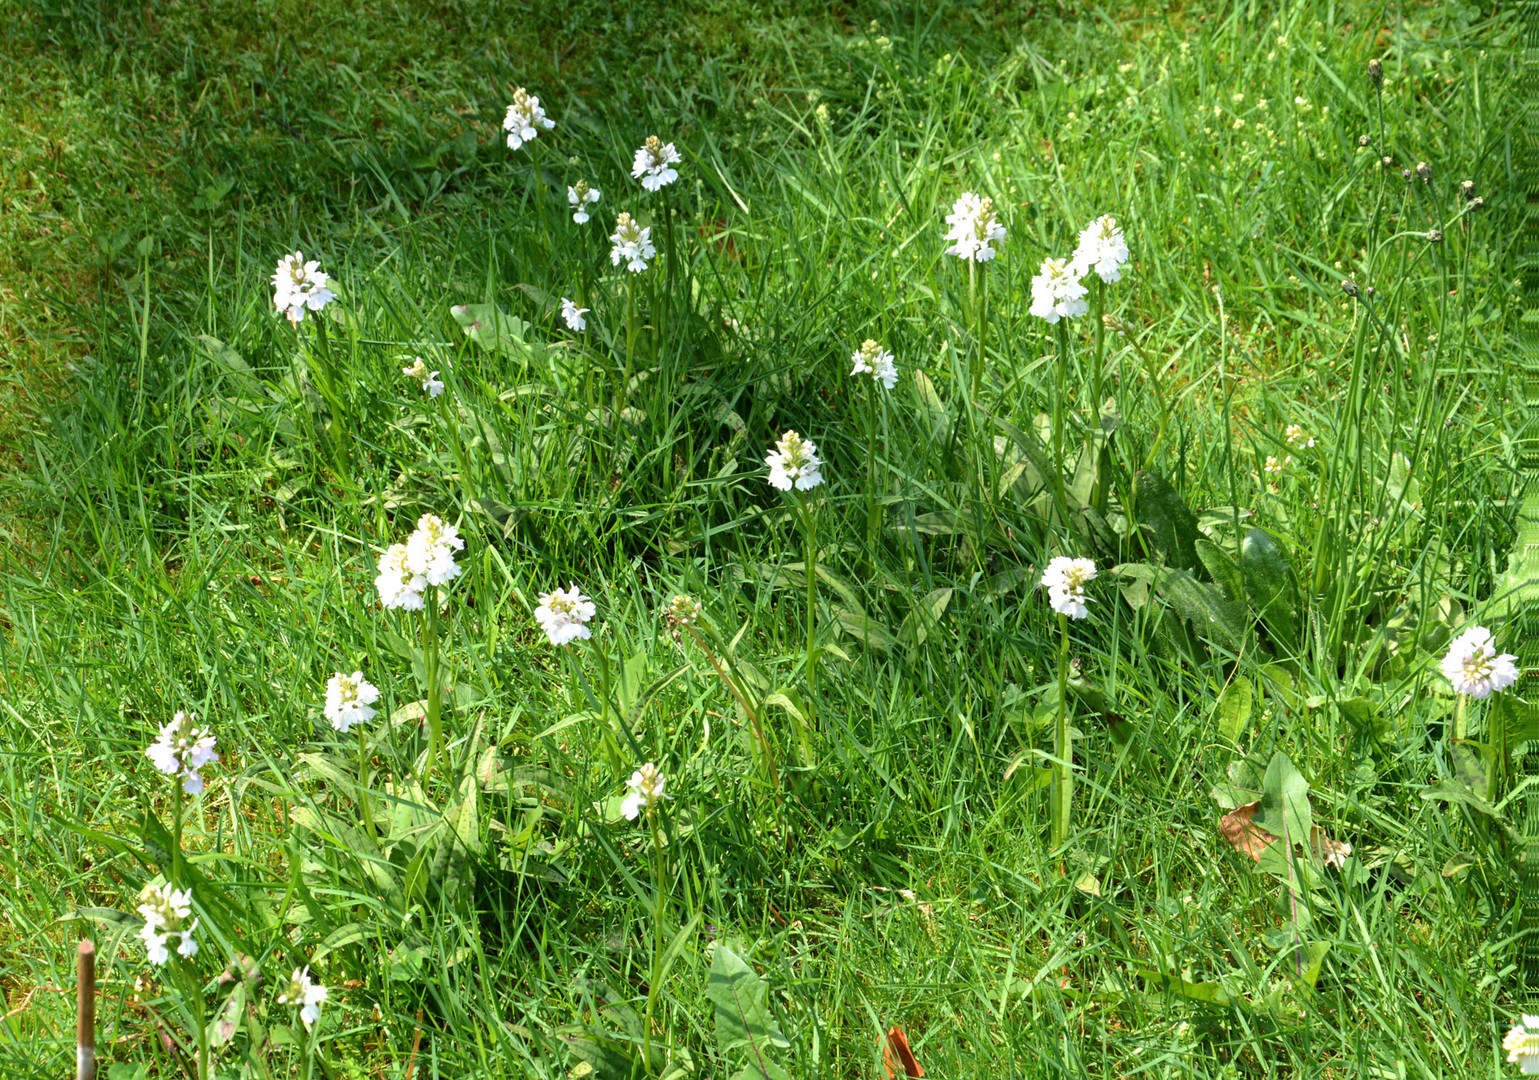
x: 1349, y: 287
x: 1376, y: 72
x: 1424, y: 171
x: 1363, y: 140
x: 1386, y: 161
x: 1467, y: 190
x: 1115, y: 323
x: 1434, y: 236
x: 1477, y: 203
x: 1406, y: 174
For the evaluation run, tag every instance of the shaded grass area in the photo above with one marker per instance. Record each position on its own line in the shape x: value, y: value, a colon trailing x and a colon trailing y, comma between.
x: 198, y: 517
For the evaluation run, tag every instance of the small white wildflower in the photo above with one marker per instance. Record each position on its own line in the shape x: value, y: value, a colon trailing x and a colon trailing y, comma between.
x: 581, y: 196
x: 573, y: 315
x: 682, y: 610
x: 564, y: 615
x: 1065, y: 580
x: 398, y: 585
x: 525, y: 119
x: 646, y: 790
x: 181, y: 749
x: 1276, y: 466
x: 430, y: 380
x: 1474, y: 667
x: 348, y: 698
x: 654, y: 164
x: 1057, y: 292
x: 300, y: 286
x: 1102, y: 248
x: 871, y: 359
x: 165, y: 911
x: 794, y: 463
x: 430, y: 550
x: 974, y: 228
x: 305, y: 993
x: 632, y: 244
x: 1295, y: 436
x: 1301, y: 103
x: 1522, y: 1045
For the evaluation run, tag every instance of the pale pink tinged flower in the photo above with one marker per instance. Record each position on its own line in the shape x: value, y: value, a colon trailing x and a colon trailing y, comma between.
x: 564, y: 615
x: 181, y: 749
x: 1102, y: 248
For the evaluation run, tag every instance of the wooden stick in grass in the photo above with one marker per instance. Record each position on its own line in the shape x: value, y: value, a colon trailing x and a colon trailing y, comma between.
x: 85, y: 1011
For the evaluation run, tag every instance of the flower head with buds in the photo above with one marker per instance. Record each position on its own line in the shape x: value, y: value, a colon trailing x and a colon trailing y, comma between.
x: 1102, y: 248
x: 348, y: 698
x: 181, y: 749
x: 1522, y: 1045
x: 300, y: 286
x: 646, y: 791
x: 1376, y: 72
x: 573, y: 315
x: 974, y: 228
x: 1276, y: 466
x: 525, y: 119
x: 682, y: 610
x: 632, y: 244
x: 794, y: 463
x: 654, y: 164
x: 1057, y: 292
x: 1475, y: 668
x: 1467, y: 189
x: 430, y: 380
x: 581, y: 196
x: 430, y: 550
x: 1424, y: 171
x: 165, y: 911
x: 1295, y: 436
x: 1116, y: 324
x: 1434, y: 236
x: 305, y: 993
x: 1065, y: 580
x: 871, y: 359
x: 564, y: 615
x: 1349, y: 287
x: 398, y: 586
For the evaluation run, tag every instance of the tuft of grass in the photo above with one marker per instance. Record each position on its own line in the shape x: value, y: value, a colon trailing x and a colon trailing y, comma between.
x: 197, y: 501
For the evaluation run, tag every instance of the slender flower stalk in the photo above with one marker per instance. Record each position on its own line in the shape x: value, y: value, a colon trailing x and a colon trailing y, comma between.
x: 795, y: 466
x: 871, y: 359
x: 349, y: 701
x: 1065, y: 580
x: 645, y: 798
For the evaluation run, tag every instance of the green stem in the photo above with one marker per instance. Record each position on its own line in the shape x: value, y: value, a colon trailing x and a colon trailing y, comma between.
x: 1097, y: 309
x: 539, y: 187
x: 176, y: 830
x: 1060, y: 412
x: 809, y: 521
x: 430, y: 665
x: 660, y: 896
x: 363, y: 786
x: 1063, y: 751
x: 666, y: 307
x: 1459, y: 718
x: 972, y: 304
x: 872, y: 523
x: 630, y: 344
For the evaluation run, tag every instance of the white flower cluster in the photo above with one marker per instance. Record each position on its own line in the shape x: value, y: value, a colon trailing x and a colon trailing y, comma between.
x: 794, y: 463
x: 427, y: 558
x: 181, y: 749
x: 299, y: 286
x: 1276, y: 466
x: 165, y: 911
x: 1065, y: 580
x: 305, y: 993
x: 564, y: 615
x: 682, y: 610
x: 646, y: 790
x: 871, y: 359
x: 632, y: 244
x: 1474, y: 667
x: 1295, y: 436
x: 525, y: 119
x: 581, y: 196
x: 974, y: 228
x: 430, y: 380
x: 348, y: 698
x: 654, y: 164
x: 1058, y: 291
x: 574, y: 315
x: 1522, y: 1045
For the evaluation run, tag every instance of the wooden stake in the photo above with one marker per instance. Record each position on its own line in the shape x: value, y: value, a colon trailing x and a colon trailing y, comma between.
x: 85, y: 1011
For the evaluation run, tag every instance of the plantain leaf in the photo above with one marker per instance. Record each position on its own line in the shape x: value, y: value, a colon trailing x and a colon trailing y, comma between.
x: 1284, y: 809
x: 743, y: 1020
x: 1234, y: 706
x: 1270, y: 589
x: 1168, y: 518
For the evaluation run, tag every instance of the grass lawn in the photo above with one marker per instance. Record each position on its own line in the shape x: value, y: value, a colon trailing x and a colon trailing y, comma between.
x: 1230, y: 819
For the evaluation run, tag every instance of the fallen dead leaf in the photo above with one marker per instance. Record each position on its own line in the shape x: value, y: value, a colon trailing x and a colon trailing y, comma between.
x: 897, y: 1056
x: 1248, y: 838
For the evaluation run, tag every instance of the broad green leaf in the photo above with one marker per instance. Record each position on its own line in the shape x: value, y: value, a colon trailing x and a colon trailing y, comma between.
x: 1168, y: 518
x: 1284, y: 809
x: 743, y: 1020
x: 1222, y: 569
x: 1234, y: 706
x: 495, y: 330
x: 1269, y: 587
x: 229, y: 1017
